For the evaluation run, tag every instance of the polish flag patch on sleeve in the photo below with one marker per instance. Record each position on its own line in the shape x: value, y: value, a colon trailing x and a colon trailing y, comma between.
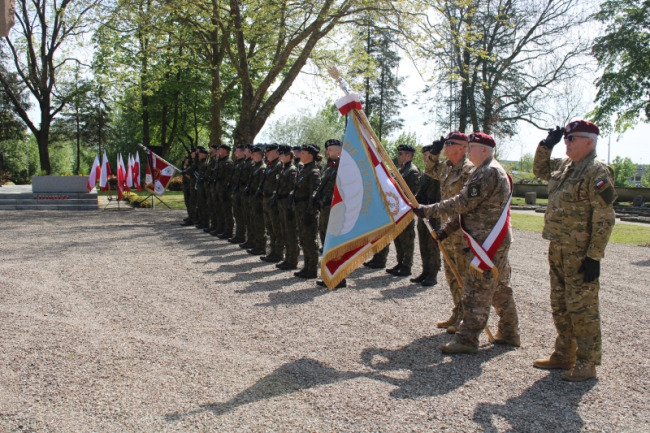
x: 600, y: 184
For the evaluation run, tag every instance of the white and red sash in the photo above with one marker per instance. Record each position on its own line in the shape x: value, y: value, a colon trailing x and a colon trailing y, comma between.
x: 483, y: 254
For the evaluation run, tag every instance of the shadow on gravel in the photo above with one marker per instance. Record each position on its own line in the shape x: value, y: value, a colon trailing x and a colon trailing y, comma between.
x: 294, y: 297
x: 642, y: 263
x: 410, y: 290
x: 549, y: 405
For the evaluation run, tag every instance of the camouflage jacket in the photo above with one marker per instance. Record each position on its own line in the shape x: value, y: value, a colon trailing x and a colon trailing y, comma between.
x: 299, y: 165
x: 452, y: 177
x: 193, y: 171
x: 239, y: 178
x: 271, y: 175
x: 480, y: 202
x: 211, y: 171
x: 411, y: 175
x: 203, y: 169
x: 224, y: 173
x: 428, y: 191
x: 580, y: 201
x: 327, y: 183
x: 287, y: 180
x: 307, y: 182
x: 257, y: 174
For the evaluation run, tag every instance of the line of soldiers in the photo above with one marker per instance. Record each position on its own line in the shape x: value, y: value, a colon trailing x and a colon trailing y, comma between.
x: 285, y: 193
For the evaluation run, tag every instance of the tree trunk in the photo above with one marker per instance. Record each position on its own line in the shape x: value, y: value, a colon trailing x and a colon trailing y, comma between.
x: 43, y: 152
x: 78, y: 143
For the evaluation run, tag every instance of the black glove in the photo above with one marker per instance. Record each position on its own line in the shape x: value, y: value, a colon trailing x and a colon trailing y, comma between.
x: 274, y: 201
x: 438, y: 145
x: 419, y: 211
x: 591, y: 268
x: 554, y: 136
x: 441, y: 235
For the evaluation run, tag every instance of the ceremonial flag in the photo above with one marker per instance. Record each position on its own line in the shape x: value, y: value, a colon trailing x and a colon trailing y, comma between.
x: 120, y: 177
x: 159, y: 173
x: 368, y: 208
x: 136, y: 171
x: 129, y: 173
x: 105, y: 173
x: 95, y: 172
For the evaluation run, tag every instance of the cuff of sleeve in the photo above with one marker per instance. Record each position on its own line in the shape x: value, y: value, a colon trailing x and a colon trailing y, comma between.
x: 431, y: 211
x: 595, y: 253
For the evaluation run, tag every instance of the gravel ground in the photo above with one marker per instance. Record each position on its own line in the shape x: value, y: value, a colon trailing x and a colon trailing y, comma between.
x: 125, y: 321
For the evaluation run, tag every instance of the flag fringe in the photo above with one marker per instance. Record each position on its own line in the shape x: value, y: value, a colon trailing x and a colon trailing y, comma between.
x: 386, y: 236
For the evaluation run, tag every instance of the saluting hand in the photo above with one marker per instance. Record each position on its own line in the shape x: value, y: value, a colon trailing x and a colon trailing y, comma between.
x: 554, y: 136
x: 438, y: 145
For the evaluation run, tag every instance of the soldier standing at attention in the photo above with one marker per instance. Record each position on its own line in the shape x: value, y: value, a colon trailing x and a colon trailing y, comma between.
x: 211, y: 180
x: 480, y: 204
x: 323, y: 195
x: 307, y: 214
x: 203, y: 212
x: 244, y: 191
x: 192, y: 173
x: 453, y: 174
x: 428, y: 193
x: 255, y: 205
x: 296, y: 157
x: 578, y: 221
x: 236, y: 191
x: 287, y: 215
x: 271, y: 216
x: 223, y: 190
x: 187, y: 181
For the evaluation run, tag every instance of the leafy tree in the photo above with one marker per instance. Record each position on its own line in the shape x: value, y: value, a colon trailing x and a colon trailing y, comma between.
x: 623, y: 53
x: 307, y: 128
x: 624, y: 169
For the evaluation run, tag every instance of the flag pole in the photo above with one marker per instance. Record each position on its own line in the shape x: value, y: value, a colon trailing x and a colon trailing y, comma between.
x: 160, y: 158
x: 361, y: 116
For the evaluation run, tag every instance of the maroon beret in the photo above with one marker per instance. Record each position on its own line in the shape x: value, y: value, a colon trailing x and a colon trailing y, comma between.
x: 581, y: 126
x: 482, y: 138
x: 457, y: 135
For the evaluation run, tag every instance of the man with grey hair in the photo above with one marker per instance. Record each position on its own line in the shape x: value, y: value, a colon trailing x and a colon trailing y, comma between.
x: 578, y: 221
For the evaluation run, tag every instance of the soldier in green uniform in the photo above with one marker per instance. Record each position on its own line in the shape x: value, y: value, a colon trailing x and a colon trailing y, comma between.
x: 481, y: 203
x: 188, y: 177
x: 428, y: 193
x: 287, y: 215
x: 192, y: 171
x: 235, y: 195
x: 296, y: 157
x: 271, y: 216
x: 255, y: 205
x: 211, y: 176
x: 203, y: 212
x: 244, y: 191
x: 223, y: 191
x: 306, y: 213
x: 453, y: 173
x: 325, y: 192
x: 579, y: 220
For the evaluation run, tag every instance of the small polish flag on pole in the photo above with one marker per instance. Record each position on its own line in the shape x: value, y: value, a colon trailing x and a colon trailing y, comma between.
x: 120, y: 177
x: 104, y: 173
x: 129, y: 174
x: 136, y: 172
x: 95, y: 172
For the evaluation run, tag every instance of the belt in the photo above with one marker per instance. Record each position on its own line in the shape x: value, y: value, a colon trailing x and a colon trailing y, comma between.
x: 300, y: 199
x: 283, y: 196
x: 267, y: 194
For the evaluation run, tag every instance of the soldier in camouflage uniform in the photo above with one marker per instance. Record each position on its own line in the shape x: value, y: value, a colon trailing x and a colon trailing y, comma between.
x: 287, y: 215
x: 224, y: 184
x: 428, y: 193
x: 578, y: 221
x: 211, y: 177
x: 236, y: 192
x: 306, y: 213
x: 187, y: 184
x: 271, y: 215
x: 192, y: 171
x: 296, y: 157
x: 325, y: 192
x: 255, y: 205
x: 481, y: 203
x: 453, y: 174
x: 244, y: 191
x: 203, y: 212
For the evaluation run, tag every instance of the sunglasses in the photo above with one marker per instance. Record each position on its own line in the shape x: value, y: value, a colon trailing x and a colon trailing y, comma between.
x: 573, y: 137
x: 451, y: 143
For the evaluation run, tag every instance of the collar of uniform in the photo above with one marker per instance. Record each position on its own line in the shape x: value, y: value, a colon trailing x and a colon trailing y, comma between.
x: 405, y: 165
x: 333, y: 163
x: 577, y: 167
x: 310, y: 164
x: 272, y: 163
x: 487, y: 162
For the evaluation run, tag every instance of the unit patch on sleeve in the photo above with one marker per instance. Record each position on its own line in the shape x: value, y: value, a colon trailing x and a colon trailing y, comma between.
x: 474, y: 190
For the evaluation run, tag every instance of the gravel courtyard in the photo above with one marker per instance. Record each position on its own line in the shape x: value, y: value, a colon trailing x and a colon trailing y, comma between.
x: 125, y: 321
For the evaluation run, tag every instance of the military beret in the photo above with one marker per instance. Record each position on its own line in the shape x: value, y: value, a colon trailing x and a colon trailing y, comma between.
x: 203, y: 151
x: 406, y: 148
x: 427, y: 148
x: 297, y: 148
x: 214, y: 146
x: 200, y: 148
x: 272, y: 146
x: 311, y: 148
x: 581, y: 126
x: 457, y: 135
x: 240, y: 147
x: 284, y: 149
x: 333, y: 142
x: 257, y: 148
x: 225, y: 146
x: 482, y: 138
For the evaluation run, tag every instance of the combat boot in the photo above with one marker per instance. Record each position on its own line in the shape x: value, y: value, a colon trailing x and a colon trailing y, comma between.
x: 582, y: 371
x: 372, y: 264
x: 403, y: 271
x: 420, y: 278
x: 455, y: 347
x: 236, y: 240
x: 447, y: 323
x: 208, y: 230
x: 257, y: 251
x: 453, y: 328
x: 284, y: 266
x: 271, y: 258
x: 509, y: 341
x: 277, y: 265
x: 430, y: 280
x: 392, y: 270
x: 552, y: 363
x: 306, y: 274
x: 224, y: 235
x: 246, y: 245
x: 340, y: 285
x: 187, y: 223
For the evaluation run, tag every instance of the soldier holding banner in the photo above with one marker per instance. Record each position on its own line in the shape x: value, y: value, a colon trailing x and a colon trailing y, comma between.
x: 481, y: 205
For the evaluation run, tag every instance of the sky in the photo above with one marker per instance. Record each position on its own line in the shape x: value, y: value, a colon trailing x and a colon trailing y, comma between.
x: 309, y: 93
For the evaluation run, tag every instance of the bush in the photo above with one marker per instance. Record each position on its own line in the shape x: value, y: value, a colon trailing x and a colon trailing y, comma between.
x: 136, y: 201
x: 175, y: 184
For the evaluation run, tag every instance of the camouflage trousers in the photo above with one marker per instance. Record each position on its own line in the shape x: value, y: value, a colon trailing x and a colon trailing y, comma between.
x: 203, y: 209
x: 213, y: 206
x: 256, y: 221
x: 575, y: 305
x: 273, y: 228
x: 429, y: 250
x: 187, y: 197
x: 455, y: 247
x: 405, y: 245
x: 480, y: 294
x: 323, y: 220
x: 382, y: 255
x: 289, y: 232
x: 225, y: 222
x: 194, y: 200
x: 238, y: 215
x: 307, y: 222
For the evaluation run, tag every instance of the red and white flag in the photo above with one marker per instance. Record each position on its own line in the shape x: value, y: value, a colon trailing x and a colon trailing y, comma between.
x: 129, y: 173
x: 105, y: 173
x: 159, y: 173
x: 121, y: 174
x: 136, y: 172
x: 94, y: 174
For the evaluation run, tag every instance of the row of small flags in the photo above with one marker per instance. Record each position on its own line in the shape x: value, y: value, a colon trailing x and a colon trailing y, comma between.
x: 127, y: 176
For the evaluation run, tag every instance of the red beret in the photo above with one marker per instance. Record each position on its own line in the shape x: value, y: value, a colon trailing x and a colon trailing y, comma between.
x: 581, y: 126
x: 457, y: 135
x: 482, y: 138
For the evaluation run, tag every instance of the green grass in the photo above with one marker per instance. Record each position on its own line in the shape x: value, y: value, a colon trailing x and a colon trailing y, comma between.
x: 522, y: 201
x: 143, y: 193
x: 622, y: 234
